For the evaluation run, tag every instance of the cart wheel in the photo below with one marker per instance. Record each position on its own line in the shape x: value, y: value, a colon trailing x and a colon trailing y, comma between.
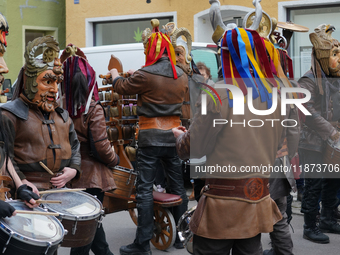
x: 164, y: 232
x: 133, y: 215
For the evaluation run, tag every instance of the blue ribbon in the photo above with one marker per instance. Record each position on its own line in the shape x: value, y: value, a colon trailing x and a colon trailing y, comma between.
x: 242, y: 65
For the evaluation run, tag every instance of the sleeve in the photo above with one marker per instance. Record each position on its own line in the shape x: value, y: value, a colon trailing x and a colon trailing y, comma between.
x: 75, y: 148
x: 135, y: 84
x: 9, y: 130
x: 201, y: 137
x: 102, y: 149
x: 293, y: 133
x: 315, y: 121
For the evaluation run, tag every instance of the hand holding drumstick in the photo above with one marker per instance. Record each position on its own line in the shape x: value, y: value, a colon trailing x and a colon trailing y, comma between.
x: 62, y: 177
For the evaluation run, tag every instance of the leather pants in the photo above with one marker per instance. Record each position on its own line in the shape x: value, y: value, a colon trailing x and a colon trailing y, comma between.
x: 148, y: 159
x: 327, y: 187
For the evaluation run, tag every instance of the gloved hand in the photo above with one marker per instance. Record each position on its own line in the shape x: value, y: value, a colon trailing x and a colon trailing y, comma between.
x: 26, y: 193
x: 6, y: 210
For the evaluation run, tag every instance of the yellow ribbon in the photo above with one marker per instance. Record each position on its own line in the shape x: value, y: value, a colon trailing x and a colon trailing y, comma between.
x: 272, y: 53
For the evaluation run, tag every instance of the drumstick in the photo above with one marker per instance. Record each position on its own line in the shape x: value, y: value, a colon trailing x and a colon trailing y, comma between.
x: 37, y: 212
x: 46, y: 168
x: 59, y: 191
x: 48, y: 201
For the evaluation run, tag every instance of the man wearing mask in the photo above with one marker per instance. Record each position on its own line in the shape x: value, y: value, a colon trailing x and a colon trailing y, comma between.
x: 161, y: 87
x: 39, y: 132
x: 323, y: 83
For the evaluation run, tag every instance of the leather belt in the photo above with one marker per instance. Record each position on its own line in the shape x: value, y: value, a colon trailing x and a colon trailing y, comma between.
x: 164, y: 122
x: 252, y: 189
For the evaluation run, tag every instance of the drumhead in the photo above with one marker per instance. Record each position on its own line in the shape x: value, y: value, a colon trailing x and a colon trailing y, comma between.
x: 74, y: 204
x: 31, y: 228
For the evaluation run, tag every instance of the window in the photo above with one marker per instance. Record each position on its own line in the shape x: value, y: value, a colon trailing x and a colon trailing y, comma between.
x: 29, y: 33
x: 123, y: 31
x: 209, y: 57
x: 311, y: 17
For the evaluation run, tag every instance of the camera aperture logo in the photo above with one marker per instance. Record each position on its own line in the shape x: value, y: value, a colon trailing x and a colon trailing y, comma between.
x: 209, y: 93
x: 238, y: 105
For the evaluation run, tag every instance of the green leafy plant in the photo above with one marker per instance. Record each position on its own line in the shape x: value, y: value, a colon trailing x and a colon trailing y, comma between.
x: 138, y: 35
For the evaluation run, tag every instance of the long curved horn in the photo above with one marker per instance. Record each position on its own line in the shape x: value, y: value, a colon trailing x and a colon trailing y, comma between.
x: 258, y: 15
x: 177, y: 34
x: 215, y: 15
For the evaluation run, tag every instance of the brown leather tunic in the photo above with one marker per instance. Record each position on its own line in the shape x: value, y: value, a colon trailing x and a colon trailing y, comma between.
x: 219, y: 217
x: 33, y: 139
x: 96, y: 170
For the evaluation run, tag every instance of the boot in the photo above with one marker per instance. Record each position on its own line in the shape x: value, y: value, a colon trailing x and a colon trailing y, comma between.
x: 311, y: 232
x: 178, y: 244
x: 337, y: 213
x: 328, y: 222
x: 136, y: 249
x: 269, y: 252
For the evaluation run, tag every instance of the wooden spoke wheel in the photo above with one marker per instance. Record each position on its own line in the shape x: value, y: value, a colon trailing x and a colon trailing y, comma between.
x: 164, y: 232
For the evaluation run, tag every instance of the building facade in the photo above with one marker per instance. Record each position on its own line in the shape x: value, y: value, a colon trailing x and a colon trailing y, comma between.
x: 28, y: 19
x: 107, y: 22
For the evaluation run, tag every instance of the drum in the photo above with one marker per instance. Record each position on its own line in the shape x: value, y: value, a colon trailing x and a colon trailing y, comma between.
x: 332, y: 153
x: 184, y: 232
x: 30, y: 234
x: 190, y: 171
x: 125, y: 181
x: 80, y: 212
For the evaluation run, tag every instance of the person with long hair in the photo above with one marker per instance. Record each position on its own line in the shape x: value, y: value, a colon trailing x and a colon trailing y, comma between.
x: 79, y: 94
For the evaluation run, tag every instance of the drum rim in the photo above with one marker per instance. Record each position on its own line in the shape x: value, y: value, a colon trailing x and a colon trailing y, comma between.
x: 5, y: 228
x: 124, y: 169
x: 185, y: 215
x: 80, y: 218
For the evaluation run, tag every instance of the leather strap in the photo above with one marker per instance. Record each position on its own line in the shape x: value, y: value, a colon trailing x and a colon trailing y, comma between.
x: 164, y: 122
x: 251, y: 189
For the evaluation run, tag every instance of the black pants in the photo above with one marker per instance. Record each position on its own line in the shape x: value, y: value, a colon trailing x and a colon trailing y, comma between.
x: 147, y: 162
x: 99, y: 246
x: 206, y: 246
x: 327, y: 187
x: 281, y: 239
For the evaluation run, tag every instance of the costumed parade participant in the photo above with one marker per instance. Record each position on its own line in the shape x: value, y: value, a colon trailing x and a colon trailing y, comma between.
x: 40, y: 132
x: 235, y: 207
x: 80, y: 96
x: 319, y: 129
x: 161, y: 87
x: 195, y: 80
x: 6, y: 166
x: 185, y: 62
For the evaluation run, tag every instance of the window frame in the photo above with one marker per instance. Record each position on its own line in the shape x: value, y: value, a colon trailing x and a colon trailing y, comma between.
x: 89, y: 22
x: 53, y: 31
